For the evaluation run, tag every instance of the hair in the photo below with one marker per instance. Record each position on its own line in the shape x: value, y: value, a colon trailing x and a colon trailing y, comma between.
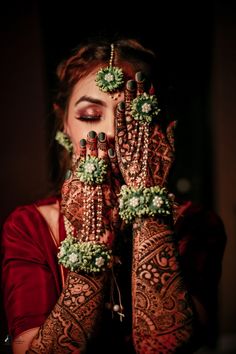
x: 129, y: 54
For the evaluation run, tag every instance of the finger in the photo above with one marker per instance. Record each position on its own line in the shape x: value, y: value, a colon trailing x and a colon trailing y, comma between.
x: 140, y: 79
x: 121, y: 129
x: 82, y: 148
x: 92, y: 143
x: 102, y: 145
x: 114, y: 162
x: 130, y: 93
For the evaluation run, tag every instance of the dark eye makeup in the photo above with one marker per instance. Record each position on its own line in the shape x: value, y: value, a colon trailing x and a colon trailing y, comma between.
x: 88, y: 114
x: 88, y: 117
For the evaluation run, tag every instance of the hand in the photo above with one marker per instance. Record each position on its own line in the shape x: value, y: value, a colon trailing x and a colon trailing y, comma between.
x: 136, y: 143
x: 75, y: 197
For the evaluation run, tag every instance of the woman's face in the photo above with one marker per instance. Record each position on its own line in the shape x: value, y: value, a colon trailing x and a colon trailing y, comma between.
x: 90, y: 109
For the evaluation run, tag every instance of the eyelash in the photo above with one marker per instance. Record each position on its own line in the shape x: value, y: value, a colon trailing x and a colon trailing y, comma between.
x: 88, y: 118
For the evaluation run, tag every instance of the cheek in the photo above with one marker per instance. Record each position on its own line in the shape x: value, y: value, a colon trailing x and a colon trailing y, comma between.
x: 78, y: 130
x: 75, y: 132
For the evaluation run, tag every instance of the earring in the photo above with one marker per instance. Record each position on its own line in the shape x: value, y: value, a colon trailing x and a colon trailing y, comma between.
x: 64, y: 140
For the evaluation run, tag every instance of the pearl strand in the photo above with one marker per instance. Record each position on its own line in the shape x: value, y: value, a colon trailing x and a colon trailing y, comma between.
x: 92, y: 215
x: 143, y: 141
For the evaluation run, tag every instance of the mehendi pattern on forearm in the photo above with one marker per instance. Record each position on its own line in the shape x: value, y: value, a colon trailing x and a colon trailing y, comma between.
x: 162, y: 310
x: 74, y: 317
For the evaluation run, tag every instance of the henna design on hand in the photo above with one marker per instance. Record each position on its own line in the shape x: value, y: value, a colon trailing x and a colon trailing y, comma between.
x: 74, y: 194
x: 129, y: 153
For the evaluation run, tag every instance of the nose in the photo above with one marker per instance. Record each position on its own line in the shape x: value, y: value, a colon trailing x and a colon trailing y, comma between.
x: 110, y: 124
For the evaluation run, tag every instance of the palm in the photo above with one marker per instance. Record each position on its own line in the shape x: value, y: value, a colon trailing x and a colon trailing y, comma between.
x: 74, y: 199
x: 131, y: 145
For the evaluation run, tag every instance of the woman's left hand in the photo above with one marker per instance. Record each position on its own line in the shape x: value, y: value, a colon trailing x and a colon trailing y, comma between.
x: 145, y: 152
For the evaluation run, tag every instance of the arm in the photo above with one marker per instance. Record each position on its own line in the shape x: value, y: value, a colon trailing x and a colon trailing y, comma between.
x: 67, y: 328
x: 163, y: 311
x: 22, y: 342
x: 78, y: 308
x: 74, y: 317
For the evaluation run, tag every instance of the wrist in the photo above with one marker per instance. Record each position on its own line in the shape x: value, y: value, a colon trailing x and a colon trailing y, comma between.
x: 144, y: 202
x: 87, y: 257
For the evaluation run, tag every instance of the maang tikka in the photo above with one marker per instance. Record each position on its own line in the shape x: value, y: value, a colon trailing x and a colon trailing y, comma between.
x: 110, y: 78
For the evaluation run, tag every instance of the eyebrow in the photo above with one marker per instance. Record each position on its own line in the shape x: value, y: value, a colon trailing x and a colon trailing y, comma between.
x: 90, y: 100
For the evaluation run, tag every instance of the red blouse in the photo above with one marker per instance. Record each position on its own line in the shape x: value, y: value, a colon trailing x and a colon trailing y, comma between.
x: 31, y: 276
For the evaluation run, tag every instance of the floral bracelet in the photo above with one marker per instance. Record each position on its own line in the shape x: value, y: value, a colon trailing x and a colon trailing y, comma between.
x: 89, y: 256
x: 138, y: 202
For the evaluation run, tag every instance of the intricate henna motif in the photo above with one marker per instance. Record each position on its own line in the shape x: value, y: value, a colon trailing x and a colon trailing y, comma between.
x: 73, y: 319
x: 162, y: 310
x: 74, y: 194
x: 160, y: 148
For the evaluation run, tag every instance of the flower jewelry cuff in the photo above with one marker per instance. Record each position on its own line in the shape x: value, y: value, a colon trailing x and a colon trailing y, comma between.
x: 144, y: 108
x: 138, y: 202
x: 89, y: 257
x: 92, y: 170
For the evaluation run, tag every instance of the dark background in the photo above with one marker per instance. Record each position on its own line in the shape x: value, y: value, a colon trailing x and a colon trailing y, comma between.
x: 36, y: 35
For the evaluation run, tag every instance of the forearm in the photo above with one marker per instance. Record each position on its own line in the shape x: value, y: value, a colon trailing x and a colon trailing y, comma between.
x: 73, y: 318
x: 162, y: 309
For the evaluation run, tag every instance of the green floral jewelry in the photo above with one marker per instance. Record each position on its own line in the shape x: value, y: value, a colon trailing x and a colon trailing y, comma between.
x: 64, y: 140
x: 92, y: 170
x: 138, y: 202
x: 89, y: 257
x: 144, y: 108
x: 111, y: 78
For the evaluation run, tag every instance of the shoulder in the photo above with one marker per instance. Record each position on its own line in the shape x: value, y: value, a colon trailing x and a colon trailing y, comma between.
x: 26, y: 218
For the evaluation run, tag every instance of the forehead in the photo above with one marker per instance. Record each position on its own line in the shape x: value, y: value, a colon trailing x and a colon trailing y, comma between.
x: 86, y: 86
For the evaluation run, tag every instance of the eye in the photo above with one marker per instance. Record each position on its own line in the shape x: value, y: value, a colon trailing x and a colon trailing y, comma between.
x: 88, y: 114
x: 88, y: 117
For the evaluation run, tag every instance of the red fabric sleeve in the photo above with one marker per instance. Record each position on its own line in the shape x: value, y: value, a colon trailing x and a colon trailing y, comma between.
x: 30, y: 274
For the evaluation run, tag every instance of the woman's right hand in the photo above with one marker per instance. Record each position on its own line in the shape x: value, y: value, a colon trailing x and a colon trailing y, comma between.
x: 73, y: 190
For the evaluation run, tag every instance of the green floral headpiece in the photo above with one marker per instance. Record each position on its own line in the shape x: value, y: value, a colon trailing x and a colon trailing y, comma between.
x: 111, y: 78
x: 144, y: 108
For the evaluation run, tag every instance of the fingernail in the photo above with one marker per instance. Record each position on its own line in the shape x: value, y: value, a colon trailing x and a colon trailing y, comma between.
x: 68, y: 174
x: 92, y: 134
x: 111, y: 152
x: 121, y: 106
x: 131, y: 85
x: 82, y: 142
x: 101, y: 136
x: 139, y: 76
